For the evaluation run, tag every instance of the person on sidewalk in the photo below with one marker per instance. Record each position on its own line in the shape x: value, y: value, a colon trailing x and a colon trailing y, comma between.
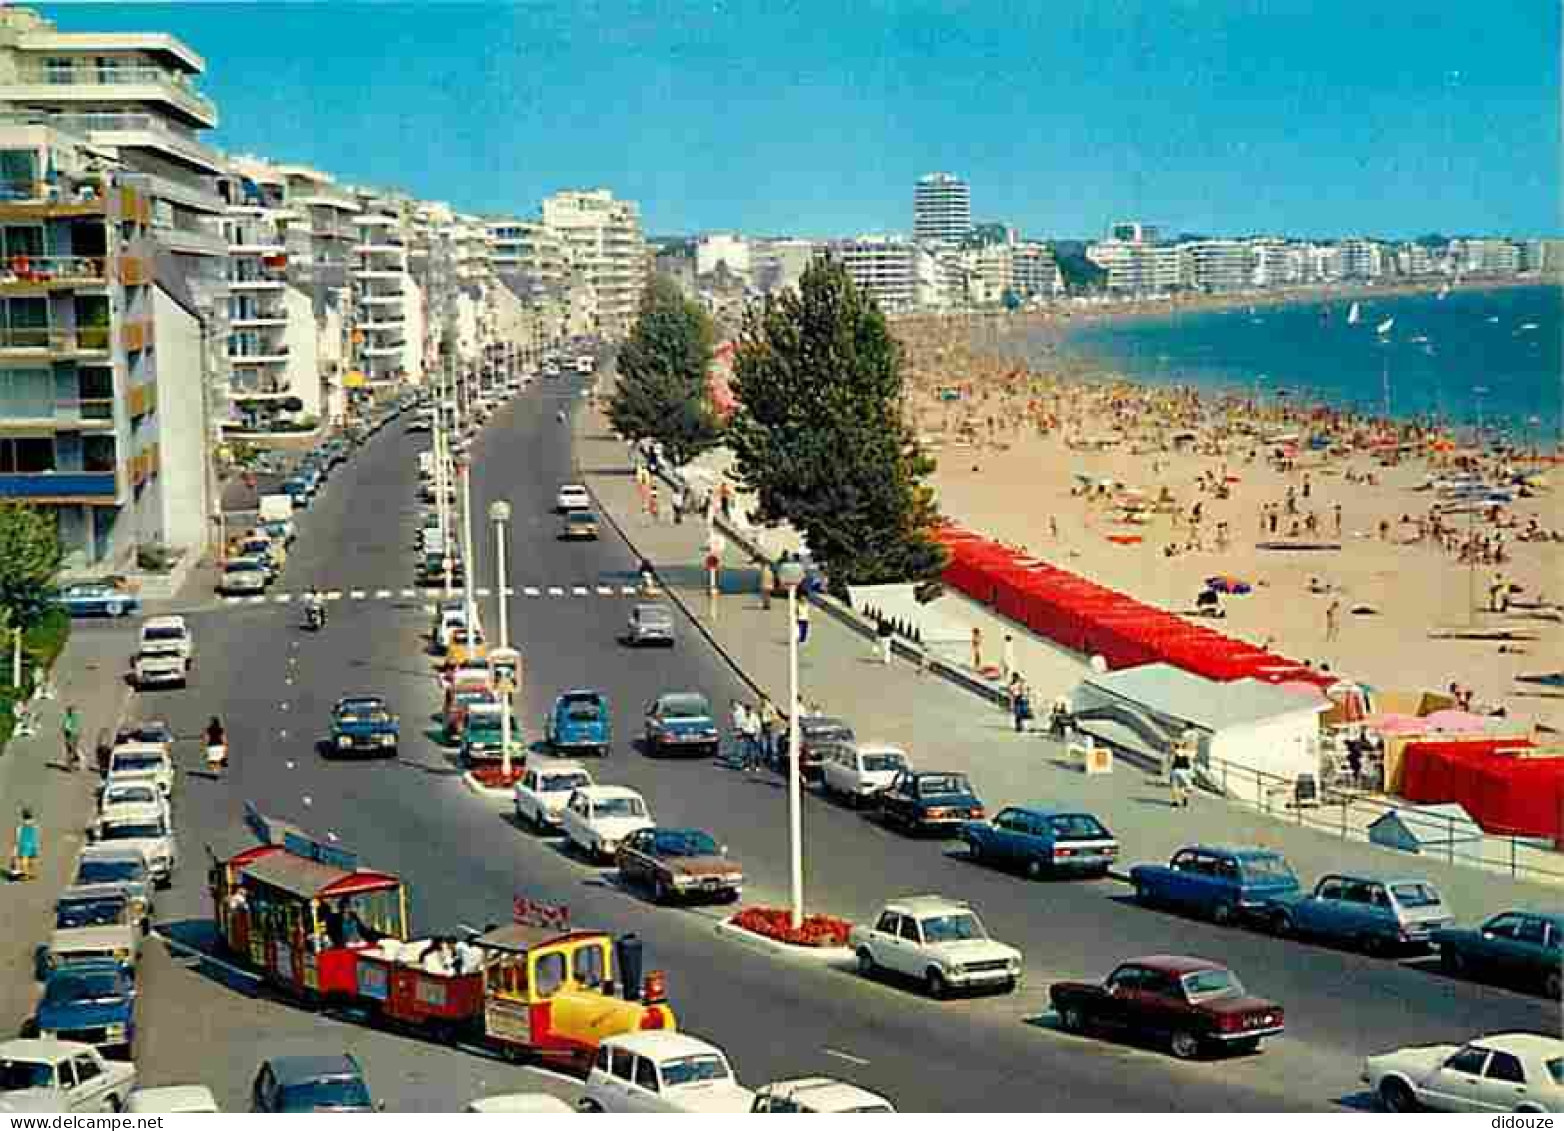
x: 651, y: 501
x: 1008, y: 658
x: 24, y: 853
x: 1181, y: 777
x: 977, y: 649
x: 740, y: 720
x: 803, y: 621
x: 768, y: 582
x: 751, y: 740
x: 1333, y: 619
x: 678, y: 501
x: 103, y: 750
x: 70, y: 731
x: 216, y: 746
x: 884, y: 637
x: 1020, y: 702
x: 768, y: 728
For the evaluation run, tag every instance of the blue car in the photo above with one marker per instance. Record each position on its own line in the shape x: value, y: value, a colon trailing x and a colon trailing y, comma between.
x: 1042, y: 840
x: 1223, y: 884
x: 98, y: 599
x: 93, y: 1002
x: 298, y: 489
x: 1370, y: 913
x: 580, y: 721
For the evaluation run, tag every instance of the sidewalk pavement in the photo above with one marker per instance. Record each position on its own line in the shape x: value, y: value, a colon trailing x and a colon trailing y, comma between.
x: 33, y: 772
x: 943, y: 725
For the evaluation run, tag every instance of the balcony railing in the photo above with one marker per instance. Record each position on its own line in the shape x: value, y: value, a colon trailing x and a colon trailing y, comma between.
x: 178, y: 137
x: 88, y: 75
x: 50, y: 269
x: 87, y: 339
x: 62, y: 485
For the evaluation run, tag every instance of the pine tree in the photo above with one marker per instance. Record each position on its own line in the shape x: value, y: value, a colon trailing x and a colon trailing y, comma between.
x: 662, y: 393
x: 29, y: 560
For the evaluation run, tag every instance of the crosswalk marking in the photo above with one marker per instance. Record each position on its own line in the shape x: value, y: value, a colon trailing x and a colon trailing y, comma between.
x: 283, y: 598
x: 555, y: 591
x: 533, y: 591
x: 598, y: 589
x: 480, y: 592
x: 605, y: 591
x: 334, y: 595
x: 627, y: 590
x: 409, y: 594
x: 356, y: 595
x: 382, y: 594
x: 580, y: 591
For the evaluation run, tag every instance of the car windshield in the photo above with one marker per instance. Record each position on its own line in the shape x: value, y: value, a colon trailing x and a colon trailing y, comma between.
x: 1267, y: 869
x: 826, y: 730
x: 697, y: 1069
x: 582, y: 516
x: 883, y: 762
x: 130, y: 794
x: 654, y: 616
x: 18, y: 1075
x: 245, y: 567
x: 1077, y: 826
x: 162, y: 633
x: 954, y: 927
x: 323, y: 1094
x: 110, y: 872
x: 108, y: 911
x: 583, y: 712
x: 1208, y: 985
x: 136, y: 763
x: 96, y: 987
x: 364, y: 713
x: 943, y: 785
x: 133, y: 830
x: 1556, y: 1070
x: 564, y: 783
x: 619, y: 807
x: 468, y: 698
x: 1415, y: 895
x: 685, y: 707
x: 686, y: 842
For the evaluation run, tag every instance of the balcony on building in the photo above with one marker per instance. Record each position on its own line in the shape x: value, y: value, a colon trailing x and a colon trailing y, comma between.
x: 129, y: 129
x: 68, y: 468
x: 254, y: 275
x: 156, y: 70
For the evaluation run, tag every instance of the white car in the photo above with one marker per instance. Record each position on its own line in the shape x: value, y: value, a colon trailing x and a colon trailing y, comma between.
x: 545, y: 789
x: 141, y: 761
x: 598, y: 817
x: 937, y: 941
x: 857, y: 773
x: 522, y: 1103
x: 1521, y: 1072
x: 572, y: 497
x: 816, y: 1095
x: 76, y: 1075
x: 168, y: 632
x: 190, y: 1099
x: 143, y: 827
x: 132, y: 791
x: 164, y: 653
x: 662, y: 1072
x: 244, y: 576
x: 452, y: 622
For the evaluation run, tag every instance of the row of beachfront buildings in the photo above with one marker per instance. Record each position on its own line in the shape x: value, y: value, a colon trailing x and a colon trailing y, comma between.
x: 161, y: 300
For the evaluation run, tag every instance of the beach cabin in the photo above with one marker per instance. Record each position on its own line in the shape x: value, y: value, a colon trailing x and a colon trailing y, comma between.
x: 1248, y: 736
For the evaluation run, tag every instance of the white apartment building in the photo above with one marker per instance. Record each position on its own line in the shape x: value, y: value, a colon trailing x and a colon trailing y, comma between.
x: 730, y: 250
x: 604, y: 246
x: 388, y: 311
x: 1034, y: 272
x: 1326, y: 263
x: 1363, y: 259
x: 1134, y: 231
x: 883, y: 267
x: 1219, y: 265
x: 1413, y: 259
x: 1485, y: 257
x: 1143, y: 268
x: 941, y: 208
x: 780, y: 264
x: 1275, y: 262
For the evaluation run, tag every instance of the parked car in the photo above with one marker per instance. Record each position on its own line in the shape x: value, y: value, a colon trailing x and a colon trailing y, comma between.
x: 678, y: 721
x: 662, y: 1072
x: 98, y: 599
x: 260, y: 547
x: 598, y: 817
x: 938, y: 942
x: 91, y: 1002
x: 650, y: 624
x: 154, y: 731
x: 544, y: 790
x: 521, y: 1103
x: 431, y: 568
x: 858, y: 773
x: 279, y: 530
x: 1519, y: 1072
x: 131, y: 791
x: 450, y: 614
x: 1225, y: 884
x: 818, y: 1095
x: 191, y: 1099
x: 298, y: 489
x: 572, y: 497
x: 1194, y: 1004
x: 460, y: 701
x: 126, y: 869
x: 1520, y: 948
x: 94, y: 923
x: 578, y: 524
x: 816, y: 735
x: 679, y: 864
x: 142, y: 761
x: 147, y: 829
x: 165, y: 652
x: 321, y: 1083
x: 74, y: 1074
x: 244, y: 577
x: 363, y: 724
x: 929, y: 801
x: 1372, y: 913
x: 1042, y: 840
x: 580, y: 721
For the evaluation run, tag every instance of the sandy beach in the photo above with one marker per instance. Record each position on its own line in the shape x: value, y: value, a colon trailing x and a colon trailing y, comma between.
x: 1063, y: 457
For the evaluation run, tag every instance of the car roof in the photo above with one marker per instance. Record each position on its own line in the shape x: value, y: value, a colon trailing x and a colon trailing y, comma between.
x: 571, y: 487
x: 1174, y: 963
x: 139, y: 747
x: 131, y: 811
x: 1536, y: 1044
x: 41, y: 1048
x: 173, y: 1098
x: 303, y: 1068
x: 579, y: 693
x: 1242, y: 851
x: 536, y: 1103
x: 652, y: 607
x: 92, y: 891
x: 668, y: 695
x: 243, y: 561
x: 1049, y: 809
x: 829, y: 1094
x: 112, y: 852
x: 608, y: 792
x: 170, y: 621
x: 916, y: 905
x: 881, y: 748
x: 823, y: 722
x: 559, y: 766
x: 347, y: 700
x: 1383, y: 878
x: 661, y: 1044
x: 91, y: 966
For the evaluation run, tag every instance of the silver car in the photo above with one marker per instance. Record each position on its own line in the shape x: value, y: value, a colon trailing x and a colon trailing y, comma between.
x: 651, y: 624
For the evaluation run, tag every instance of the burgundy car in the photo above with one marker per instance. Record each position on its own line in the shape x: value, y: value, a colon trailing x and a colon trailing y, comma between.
x: 1194, y: 1004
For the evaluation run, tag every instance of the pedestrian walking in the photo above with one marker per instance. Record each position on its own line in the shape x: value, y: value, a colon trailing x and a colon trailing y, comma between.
x: 678, y: 506
x: 24, y: 849
x: 803, y: 620
x: 884, y: 638
x: 103, y: 750
x: 768, y: 728
x: 1336, y: 518
x: 740, y: 714
x: 1020, y: 702
x: 1333, y: 619
x: 70, y: 731
x: 751, y: 739
x: 1181, y: 777
x: 651, y: 501
x: 768, y: 582
x: 1008, y: 657
x: 977, y: 648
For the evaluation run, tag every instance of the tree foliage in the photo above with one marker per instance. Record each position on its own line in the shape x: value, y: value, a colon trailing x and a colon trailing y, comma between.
x: 29, y: 560
x: 820, y: 438
x: 662, y: 393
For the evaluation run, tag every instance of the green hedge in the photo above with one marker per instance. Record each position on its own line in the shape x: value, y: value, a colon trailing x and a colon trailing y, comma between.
x: 41, y: 646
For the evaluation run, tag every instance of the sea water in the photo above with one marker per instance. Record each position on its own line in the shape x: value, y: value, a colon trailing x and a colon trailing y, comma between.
x: 1488, y: 358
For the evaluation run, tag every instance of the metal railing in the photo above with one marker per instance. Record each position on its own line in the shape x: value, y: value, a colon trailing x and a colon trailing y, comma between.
x: 52, y: 268
x: 86, y: 74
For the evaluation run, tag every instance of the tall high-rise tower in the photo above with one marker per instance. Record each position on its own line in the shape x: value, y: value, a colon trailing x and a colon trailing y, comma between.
x: 941, y: 208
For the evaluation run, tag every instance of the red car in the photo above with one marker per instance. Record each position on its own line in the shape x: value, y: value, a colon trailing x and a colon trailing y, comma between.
x: 1194, y: 1004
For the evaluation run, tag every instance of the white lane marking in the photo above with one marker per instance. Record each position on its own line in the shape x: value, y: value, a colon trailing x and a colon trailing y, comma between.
x: 480, y: 592
x: 605, y: 590
x: 409, y: 594
x: 510, y: 591
x: 334, y: 595
x: 259, y: 599
x: 847, y: 1056
x: 532, y: 591
x: 627, y: 590
x: 555, y: 591
x: 282, y: 598
x: 382, y: 594
x: 357, y: 595
x: 580, y: 591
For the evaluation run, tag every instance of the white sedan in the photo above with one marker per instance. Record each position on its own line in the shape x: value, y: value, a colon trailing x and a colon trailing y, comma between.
x: 598, y: 817
x: 572, y: 497
x: 545, y: 789
x: 1506, y: 1072
x: 662, y: 1072
x: 857, y: 773
x: 67, y: 1075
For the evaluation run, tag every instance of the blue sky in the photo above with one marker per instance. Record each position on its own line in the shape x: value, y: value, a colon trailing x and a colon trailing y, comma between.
x: 1308, y: 117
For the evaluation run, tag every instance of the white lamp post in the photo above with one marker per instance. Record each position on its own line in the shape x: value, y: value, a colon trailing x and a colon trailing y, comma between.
x: 469, y: 567
x: 499, y: 514
x: 791, y: 574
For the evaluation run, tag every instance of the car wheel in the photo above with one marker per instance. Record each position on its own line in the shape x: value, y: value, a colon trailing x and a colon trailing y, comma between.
x: 1144, y: 896
x: 660, y: 891
x: 1222, y: 914
x: 935, y: 985
x: 1397, y: 1096
x: 975, y: 850
x: 1185, y: 1045
x: 589, y: 1107
x: 115, y: 608
x: 1452, y: 961
x: 1282, y: 924
x: 1074, y: 1020
x: 1371, y: 945
x: 1034, y: 869
x: 1551, y: 986
x: 867, y: 966
x: 110, y: 1103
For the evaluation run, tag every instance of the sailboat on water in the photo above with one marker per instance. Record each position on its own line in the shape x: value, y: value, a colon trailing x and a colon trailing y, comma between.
x: 1384, y: 327
x: 1444, y: 292
x: 1353, y: 315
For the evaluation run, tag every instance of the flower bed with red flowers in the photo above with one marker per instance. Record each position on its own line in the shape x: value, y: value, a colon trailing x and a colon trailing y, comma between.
x: 495, y: 777
x: 777, y: 923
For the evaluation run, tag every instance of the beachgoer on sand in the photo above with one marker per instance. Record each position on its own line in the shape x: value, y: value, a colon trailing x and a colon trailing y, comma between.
x: 1333, y: 619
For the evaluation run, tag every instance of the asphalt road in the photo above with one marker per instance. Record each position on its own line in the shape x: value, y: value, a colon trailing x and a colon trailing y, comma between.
x: 463, y: 858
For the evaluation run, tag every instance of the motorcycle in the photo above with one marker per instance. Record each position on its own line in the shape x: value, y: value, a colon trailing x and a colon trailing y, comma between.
x: 217, y: 758
x: 315, y: 617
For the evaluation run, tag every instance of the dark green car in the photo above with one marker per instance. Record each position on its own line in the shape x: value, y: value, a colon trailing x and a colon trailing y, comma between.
x: 1519, y: 948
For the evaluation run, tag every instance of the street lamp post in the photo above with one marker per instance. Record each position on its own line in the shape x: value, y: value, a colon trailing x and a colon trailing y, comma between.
x: 469, y: 568
x: 499, y: 514
x: 791, y: 574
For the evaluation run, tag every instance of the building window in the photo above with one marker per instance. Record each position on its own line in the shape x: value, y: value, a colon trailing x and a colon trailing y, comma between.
x: 59, y: 71
x: 18, y: 240
x: 30, y: 455
x: 18, y: 173
x: 97, y: 453
x: 26, y: 393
